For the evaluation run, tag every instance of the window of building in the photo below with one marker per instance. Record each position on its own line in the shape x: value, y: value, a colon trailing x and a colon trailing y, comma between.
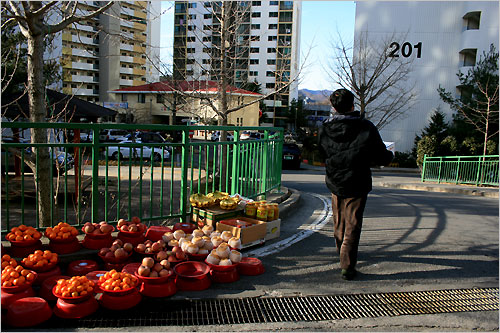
x: 256, y: 3
x: 189, y: 72
x: 192, y: 5
x: 270, y: 85
x: 273, y: 14
x: 207, y: 38
x: 273, y: 3
x: 285, y: 17
x: 471, y: 20
x: 192, y: 16
x: 141, y: 98
x: 271, y: 50
x: 273, y: 26
x: 255, y: 38
x: 205, y: 61
x: 468, y: 57
x: 191, y: 27
x: 272, y: 38
x: 255, y: 26
x: 271, y: 61
x: 254, y: 61
x: 206, y: 27
x: 270, y: 73
x: 253, y: 73
x: 256, y: 14
x: 124, y: 97
x: 190, y: 50
x: 159, y: 99
x: 206, y: 50
x: 254, y: 50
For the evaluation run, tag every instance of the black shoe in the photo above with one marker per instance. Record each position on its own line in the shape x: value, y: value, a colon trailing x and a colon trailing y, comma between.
x: 348, y: 274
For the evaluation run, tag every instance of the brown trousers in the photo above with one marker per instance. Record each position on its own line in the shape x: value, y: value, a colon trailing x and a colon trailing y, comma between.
x: 347, y: 223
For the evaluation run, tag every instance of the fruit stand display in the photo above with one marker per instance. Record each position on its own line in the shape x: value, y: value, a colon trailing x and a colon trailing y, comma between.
x: 183, y: 258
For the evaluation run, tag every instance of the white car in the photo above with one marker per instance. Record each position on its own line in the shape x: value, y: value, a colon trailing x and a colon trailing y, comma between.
x: 216, y: 136
x: 124, y: 152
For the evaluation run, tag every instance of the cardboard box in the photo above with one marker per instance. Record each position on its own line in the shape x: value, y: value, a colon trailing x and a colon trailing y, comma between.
x: 212, y: 215
x: 273, y: 229
x: 254, y: 233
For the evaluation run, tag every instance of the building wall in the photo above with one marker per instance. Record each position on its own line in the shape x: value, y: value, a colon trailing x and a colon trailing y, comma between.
x: 153, y: 112
x: 439, y: 26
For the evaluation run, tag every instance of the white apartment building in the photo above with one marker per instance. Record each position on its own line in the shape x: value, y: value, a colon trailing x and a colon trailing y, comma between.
x: 268, y: 44
x: 443, y: 37
x: 114, y: 50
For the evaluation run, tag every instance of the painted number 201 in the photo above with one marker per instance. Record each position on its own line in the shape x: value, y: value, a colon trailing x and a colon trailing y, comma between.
x: 406, y: 49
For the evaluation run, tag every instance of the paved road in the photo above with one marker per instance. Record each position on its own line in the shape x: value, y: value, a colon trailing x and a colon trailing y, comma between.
x: 411, y: 241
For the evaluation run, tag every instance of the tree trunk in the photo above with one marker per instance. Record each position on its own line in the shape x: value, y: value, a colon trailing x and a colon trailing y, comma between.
x: 38, y: 112
x: 223, y: 90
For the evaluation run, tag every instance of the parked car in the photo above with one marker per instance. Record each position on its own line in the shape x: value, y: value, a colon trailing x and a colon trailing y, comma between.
x: 85, y: 135
x: 147, y: 137
x: 153, y: 153
x: 59, y: 162
x: 248, y: 135
x: 216, y: 136
x: 113, y: 135
x: 292, y: 156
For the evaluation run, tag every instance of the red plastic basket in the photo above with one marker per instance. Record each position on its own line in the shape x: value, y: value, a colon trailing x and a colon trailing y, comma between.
x: 192, y: 269
x: 18, y: 289
x: 98, y: 236
x: 73, y: 300
x: 154, y: 280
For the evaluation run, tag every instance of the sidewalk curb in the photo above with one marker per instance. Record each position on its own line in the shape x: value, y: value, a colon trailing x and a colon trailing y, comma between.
x: 288, y: 204
x: 429, y: 188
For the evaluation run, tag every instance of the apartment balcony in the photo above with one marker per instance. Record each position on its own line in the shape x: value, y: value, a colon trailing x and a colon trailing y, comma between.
x: 82, y: 78
x: 140, y: 14
x: 126, y: 70
x: 140, y: 26
x: 124, y: 82
x: 84, y: 27
x: 84, y: 92
x: 127, y: 59
x: 471, y: 39
x: 127, y: 24
x: 126, y: 47
x: 128, y: 11
x: 84, y: 40
x: 83, y: 53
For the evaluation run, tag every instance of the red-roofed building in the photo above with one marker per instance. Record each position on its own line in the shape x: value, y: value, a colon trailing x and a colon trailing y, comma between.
x: 154, y: 103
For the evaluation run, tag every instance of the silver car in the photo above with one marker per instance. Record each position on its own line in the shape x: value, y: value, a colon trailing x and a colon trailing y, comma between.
x: 154, y: 153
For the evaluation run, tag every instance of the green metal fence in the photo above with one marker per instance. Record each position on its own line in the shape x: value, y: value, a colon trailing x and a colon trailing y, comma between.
x: 95, y: 180
x: 477, y: 170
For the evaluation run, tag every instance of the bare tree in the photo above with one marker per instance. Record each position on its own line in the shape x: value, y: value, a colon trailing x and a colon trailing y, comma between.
x: 37, y: 20
x: 478, y: 103
x: 379, y: 81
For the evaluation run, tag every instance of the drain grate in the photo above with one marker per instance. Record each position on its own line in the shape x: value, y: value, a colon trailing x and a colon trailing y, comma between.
x: 165, y: 312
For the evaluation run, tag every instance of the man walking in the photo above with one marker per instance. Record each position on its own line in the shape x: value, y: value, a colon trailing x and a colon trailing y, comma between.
x: 351, y: 145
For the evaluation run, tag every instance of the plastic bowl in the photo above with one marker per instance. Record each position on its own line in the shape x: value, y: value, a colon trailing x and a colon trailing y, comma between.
x: 155, y: 233
x: 45, y: 268
x: 24, y: 243
x: 98, y: 236
x: 23, y: 287
x: 28, y: 311
x: 73, y: 300
x: 221, y: 268
x: 115, y: 260
x: 192, y: 269
x: 250, y: 266
x: 119, y: 292
x: 154, y: 280
x: 63, y: 241
x: 197, y: 256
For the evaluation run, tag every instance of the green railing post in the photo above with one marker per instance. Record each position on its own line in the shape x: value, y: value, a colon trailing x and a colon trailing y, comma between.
x: 458, y: 170
x: 184, y: 171
x: 235, y: 171
x: 478, y: 169
x: 423, y: 168
x: 95, y: 178
x: 279, y: 159
x: 263, y: 180
x: 439, y: 172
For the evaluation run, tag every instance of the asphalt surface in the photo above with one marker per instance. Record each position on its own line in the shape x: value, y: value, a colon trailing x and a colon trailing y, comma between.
x: 423, y: 238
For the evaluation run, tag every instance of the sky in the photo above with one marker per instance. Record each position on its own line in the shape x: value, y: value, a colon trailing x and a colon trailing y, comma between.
x: 321, y: 23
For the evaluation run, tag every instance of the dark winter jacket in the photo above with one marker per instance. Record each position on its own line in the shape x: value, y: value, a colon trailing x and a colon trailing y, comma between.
x: 351, y: 145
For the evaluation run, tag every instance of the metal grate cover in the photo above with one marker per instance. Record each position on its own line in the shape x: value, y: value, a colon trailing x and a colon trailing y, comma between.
x: 165, y: 312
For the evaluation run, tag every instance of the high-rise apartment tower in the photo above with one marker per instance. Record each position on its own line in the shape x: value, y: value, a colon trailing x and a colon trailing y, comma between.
x: 114, y: 50
x: 263, y: 39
